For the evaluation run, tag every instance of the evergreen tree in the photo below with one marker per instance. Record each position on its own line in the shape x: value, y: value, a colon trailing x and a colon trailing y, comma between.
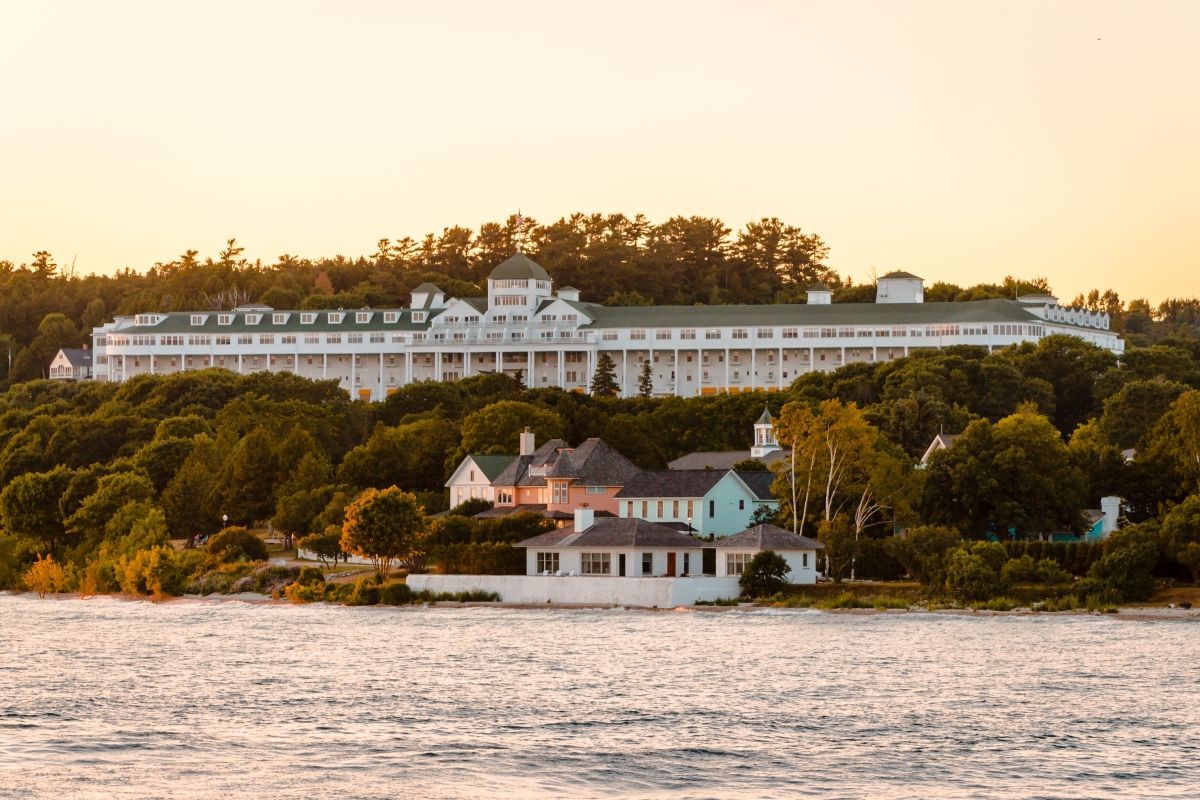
x: 604, y: 382
x: 646, y: 381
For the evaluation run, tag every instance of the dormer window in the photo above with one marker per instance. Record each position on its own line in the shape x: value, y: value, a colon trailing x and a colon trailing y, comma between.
x: 253, y: 319
x: 147, y: 319
x: 224, y: 319
x: 279, y: 319
x: 391, y: 316
x: 418, y: 316
x: 335, y: 317
x: 308, y: 318
x: 199, y: 319
x: 362, y: 317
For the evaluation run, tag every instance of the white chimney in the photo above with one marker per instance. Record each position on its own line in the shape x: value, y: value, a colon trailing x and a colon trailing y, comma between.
x: 1111, y: 506
x: 584, y: 517
x: 527, y: 447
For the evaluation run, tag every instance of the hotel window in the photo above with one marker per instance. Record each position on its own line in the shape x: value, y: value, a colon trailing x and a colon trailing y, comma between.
x: 766, y: 333
x: 334, y: 317
x: 308, y: 319
x: 266, y: 338
x: 508, y: 300
x: 740, y: 333
x: 791, y: 333
x: 253, y: 319
x: 735, y: 563
x: 662, y: 333
x: 547, y: 562
x: 224, y: 319
x: 198, y: 319
x: 520, y: 318
x: 377, y: 338
x: 223, y: 339
x: 637, y: 334
x: 595, y: 563
x: 712, y: 333
x: 418, y: 316
x: 245, y: 339
x: 510, y: 283
x: 354, y: 338
x: 312, y: 338
x: 289, y: 338
x: 333, y: 338
x: 362, y: 316
x: 391, y: 316
x: 687, y: 333
x: 647, y: 563
x: 279, y: 319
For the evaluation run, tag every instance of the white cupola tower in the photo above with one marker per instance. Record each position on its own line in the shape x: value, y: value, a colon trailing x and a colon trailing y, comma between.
x: 764, y: 436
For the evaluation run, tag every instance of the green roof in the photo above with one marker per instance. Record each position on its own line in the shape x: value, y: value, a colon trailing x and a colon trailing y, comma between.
x: 492, y: 465
x: 181, y: 322
x: 517, y: 267
x: 833, y: 315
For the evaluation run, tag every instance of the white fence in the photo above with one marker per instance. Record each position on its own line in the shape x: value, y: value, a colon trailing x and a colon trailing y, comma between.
x: 643, y: 592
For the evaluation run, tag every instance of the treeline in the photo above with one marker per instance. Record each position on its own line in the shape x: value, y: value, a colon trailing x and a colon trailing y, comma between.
x: 614, y: 259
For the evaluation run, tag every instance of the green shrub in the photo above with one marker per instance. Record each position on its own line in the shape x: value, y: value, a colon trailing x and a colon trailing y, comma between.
x: 479, y: 558
x: 765, y: 575
x: 365, y: 592
x: 1019, y: 570
x: 237, y: 544
x: 298, y: 592
x: 1049, y: 571
x: 1127, y: 566
x: 159, y: 571
x: 1000, y: 604
x: 844, y: 600
x: 309, y: 576
x: 395, y: 594
x: 973, y: 572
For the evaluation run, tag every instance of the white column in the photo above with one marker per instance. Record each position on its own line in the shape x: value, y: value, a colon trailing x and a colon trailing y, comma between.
x: 152, y: 363
x: 499, y: 362
x: 779, y: 369
x: 727, y: 387
x: 353, y: 375
x: 239, y: 363
x: 324, y: 366
x: 753, y: 369
x: 562, y: 371
x: 676, y: 370
x: 381, y: 395
x: 624, y: 372
x: 437, y: 366
x: 466, y: 363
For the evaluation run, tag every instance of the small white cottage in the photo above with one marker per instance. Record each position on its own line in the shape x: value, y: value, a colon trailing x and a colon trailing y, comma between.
x: 612, y: 546
x: 734, y: 552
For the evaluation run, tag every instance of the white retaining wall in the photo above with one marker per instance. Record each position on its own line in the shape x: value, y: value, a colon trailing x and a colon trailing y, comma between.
x: 644, y: 592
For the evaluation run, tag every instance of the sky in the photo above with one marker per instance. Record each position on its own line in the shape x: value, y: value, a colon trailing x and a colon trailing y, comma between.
x: 963, y: 141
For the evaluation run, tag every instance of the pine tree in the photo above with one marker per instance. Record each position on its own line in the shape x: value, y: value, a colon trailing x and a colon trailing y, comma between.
x: 646, y: 381
x: 604, y: 382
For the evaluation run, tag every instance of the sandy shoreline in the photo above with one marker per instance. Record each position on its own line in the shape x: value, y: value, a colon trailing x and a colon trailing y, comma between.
x: 1134, y: 613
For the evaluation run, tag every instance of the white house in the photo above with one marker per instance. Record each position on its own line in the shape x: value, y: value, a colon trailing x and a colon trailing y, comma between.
x: 474, y: 476
x: 942, y: 441
x: 734, y: 552
x: 612, y: 547
x: 705, y: 501
x: 71, y: 364
x: 554, y: 338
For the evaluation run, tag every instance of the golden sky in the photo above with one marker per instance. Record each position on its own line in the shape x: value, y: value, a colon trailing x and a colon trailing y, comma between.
x: 962, y: 141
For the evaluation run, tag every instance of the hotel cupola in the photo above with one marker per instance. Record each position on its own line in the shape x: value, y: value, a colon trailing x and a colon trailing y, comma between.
x: 517, y: 286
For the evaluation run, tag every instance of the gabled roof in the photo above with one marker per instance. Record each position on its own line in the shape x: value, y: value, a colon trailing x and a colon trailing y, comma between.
x: 517, y: 472
x: 427, y: 288
x: 723, y: 459
x: 672, y: 483
x: 943, y: 441
x: 517, y: 267
x: 77, y: 356
x: 492, y: 465
x: 614, y: 532
x: 901, y: 275
x: 758, y: 482
x: 769, y: 537
x: 593, y: 463
x: 819, y: 286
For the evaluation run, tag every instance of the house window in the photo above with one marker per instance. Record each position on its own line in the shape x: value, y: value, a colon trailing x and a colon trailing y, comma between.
x: 687, y: 563
x: 547, y: 562
x: 712, y: 508
x: 597, y: 490
x: 647, y: 563
x: 660, y: 509
x: 674, y: 509
x: 595, y: 563
x: 645, y: 512
x: 735, y: 563
x: 690, y: 509
x: 559, y: 490
x: 471, y: 473
x: 741, y: 505
x: 804, y: 559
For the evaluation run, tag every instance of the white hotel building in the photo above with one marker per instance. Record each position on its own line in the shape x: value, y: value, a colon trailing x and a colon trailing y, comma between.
x: 555, y: 339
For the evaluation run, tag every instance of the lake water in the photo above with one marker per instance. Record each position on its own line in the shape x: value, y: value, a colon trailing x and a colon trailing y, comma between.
x: 107, y: 698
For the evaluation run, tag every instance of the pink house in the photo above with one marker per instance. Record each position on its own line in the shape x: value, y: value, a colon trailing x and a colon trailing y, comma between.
x: 555, y: 479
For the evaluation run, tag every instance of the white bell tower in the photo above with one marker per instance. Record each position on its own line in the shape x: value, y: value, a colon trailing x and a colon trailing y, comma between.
x: 764, y: 436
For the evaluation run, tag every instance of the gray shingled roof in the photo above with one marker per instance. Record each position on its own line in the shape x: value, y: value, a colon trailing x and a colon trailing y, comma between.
x: 899, y: 273
x: 769, y: 537
x: 723, y: 459
x: 77, y: 356
x: 593, y: 463
x: 614, y: 532
x: 517, y: 267
x: 759, y: 483
x: 427, y: 288
x: 765, y: 418
x: 672, y: 483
